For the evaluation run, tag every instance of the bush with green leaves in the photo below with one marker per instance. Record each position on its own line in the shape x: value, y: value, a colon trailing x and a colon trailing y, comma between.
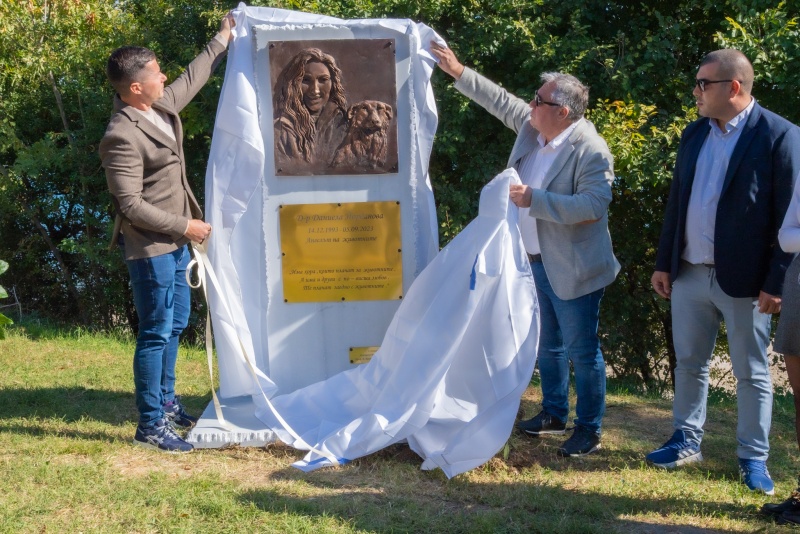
x: 639, y: 59
x: 4, y: 321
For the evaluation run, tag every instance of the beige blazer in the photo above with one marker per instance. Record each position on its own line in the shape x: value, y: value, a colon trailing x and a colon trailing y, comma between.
x: 146, y: 170
x: 578, y: 258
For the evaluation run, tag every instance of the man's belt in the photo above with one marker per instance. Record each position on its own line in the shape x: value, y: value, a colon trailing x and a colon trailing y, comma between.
x: 534, y: 258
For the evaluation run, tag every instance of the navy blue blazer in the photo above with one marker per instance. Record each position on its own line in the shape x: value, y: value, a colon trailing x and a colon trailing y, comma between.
x: 755, y: 195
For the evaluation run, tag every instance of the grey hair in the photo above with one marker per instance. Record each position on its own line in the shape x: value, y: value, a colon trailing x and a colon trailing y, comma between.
x: 569, y: 92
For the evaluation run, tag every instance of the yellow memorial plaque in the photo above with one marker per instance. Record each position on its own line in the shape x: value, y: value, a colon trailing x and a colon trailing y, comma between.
x: 362, y: 354
x: 340, y: 252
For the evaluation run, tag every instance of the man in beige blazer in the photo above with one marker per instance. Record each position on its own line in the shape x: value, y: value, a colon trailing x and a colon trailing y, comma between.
x: 566, y: 170
x: 157, y: 216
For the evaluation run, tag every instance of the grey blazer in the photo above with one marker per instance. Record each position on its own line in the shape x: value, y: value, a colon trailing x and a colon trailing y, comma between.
x: 146, y: 170
x: 577, y: 256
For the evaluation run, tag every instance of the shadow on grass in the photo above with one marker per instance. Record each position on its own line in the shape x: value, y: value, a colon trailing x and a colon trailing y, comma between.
x: 636, y: 424
x: 72, y: 404
x: 42, y: 431
x: 44, y: 330
x: 386, y: 492
x: 452, y: 506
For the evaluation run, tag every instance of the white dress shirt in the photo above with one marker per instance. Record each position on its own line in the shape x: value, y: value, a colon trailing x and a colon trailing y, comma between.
x: 789, y: 234
x: 532, y: 170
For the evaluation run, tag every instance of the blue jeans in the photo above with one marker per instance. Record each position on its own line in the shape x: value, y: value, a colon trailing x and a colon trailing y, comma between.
x: 162, y: 298
x: 569, y: 333
x: 698, y: 307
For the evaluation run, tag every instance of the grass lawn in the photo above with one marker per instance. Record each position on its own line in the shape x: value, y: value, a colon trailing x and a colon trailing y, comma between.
x: 67, y: 418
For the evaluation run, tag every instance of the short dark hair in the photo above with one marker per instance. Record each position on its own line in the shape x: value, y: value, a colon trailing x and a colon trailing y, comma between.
x: 734, y: 65
x: 125, y: 64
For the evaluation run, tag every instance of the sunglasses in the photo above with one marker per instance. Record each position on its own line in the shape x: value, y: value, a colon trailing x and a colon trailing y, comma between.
x: 702, y: 82
x: 537, y: 101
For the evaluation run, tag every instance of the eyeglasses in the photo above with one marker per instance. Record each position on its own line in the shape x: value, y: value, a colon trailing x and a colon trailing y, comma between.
x: 537, y: 101
x: 702, y: 82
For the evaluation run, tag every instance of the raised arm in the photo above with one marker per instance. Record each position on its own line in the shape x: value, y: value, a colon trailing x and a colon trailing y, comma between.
x: 510, y: 109
x: 180, y: 92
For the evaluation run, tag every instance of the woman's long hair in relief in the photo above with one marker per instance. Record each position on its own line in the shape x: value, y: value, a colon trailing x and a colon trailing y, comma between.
x: 287, y: 97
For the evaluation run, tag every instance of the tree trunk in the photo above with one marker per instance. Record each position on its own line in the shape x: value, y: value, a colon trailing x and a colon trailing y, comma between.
x: 64, y: 272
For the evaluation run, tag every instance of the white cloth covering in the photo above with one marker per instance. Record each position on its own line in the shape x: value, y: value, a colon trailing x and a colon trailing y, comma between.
x: 452, y: 368
x: 235, y: 191
x: 461, y: 348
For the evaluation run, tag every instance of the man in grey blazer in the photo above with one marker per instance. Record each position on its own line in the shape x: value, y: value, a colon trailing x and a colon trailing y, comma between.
x: 157, y: 216
x: 567, y: 171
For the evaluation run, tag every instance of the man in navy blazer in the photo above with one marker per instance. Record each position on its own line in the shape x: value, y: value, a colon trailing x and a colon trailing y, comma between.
x: 718, y: 257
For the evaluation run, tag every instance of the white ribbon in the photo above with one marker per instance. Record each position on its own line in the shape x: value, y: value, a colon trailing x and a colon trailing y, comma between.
x: 205, y: 273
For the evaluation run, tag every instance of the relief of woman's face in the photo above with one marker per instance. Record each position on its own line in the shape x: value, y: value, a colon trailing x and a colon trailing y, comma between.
x: 316, y: 86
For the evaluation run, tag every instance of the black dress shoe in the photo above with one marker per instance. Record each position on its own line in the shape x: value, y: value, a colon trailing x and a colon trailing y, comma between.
x: 792, y: 504
x: 788, y: 517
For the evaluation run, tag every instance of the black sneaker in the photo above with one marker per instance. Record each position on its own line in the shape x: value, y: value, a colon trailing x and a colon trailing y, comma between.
x: 792, y: 504
x: 161, y: 437
x: 583, y: 441
x: 174, y: 412
x: 788, y: 517
x: 543, y: 423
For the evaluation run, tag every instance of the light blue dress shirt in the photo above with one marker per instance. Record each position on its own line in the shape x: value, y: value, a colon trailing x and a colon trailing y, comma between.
x: 709, y: 175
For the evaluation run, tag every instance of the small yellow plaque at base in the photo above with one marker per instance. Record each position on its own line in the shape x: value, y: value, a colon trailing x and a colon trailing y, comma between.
x: 362, y: 354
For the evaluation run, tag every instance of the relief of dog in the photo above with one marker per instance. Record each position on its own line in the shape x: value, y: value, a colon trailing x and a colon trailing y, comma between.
x: 366, y: 142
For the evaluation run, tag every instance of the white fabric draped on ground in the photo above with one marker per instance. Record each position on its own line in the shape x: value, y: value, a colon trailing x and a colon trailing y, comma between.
x: 457, y: 355
x: 452, y: 368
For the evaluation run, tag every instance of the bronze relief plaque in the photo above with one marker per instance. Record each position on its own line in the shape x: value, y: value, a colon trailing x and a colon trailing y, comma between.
x: 334, y: 105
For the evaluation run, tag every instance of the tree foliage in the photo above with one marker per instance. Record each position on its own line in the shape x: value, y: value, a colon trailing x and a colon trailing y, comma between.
x: 639, y: 59
x: 55, y: 210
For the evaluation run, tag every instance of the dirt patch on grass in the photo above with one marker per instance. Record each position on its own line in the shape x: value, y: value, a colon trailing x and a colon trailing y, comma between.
x: 135, y: 464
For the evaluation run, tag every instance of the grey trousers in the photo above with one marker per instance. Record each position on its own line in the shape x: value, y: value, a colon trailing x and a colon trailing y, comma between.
x: 698, y: 307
